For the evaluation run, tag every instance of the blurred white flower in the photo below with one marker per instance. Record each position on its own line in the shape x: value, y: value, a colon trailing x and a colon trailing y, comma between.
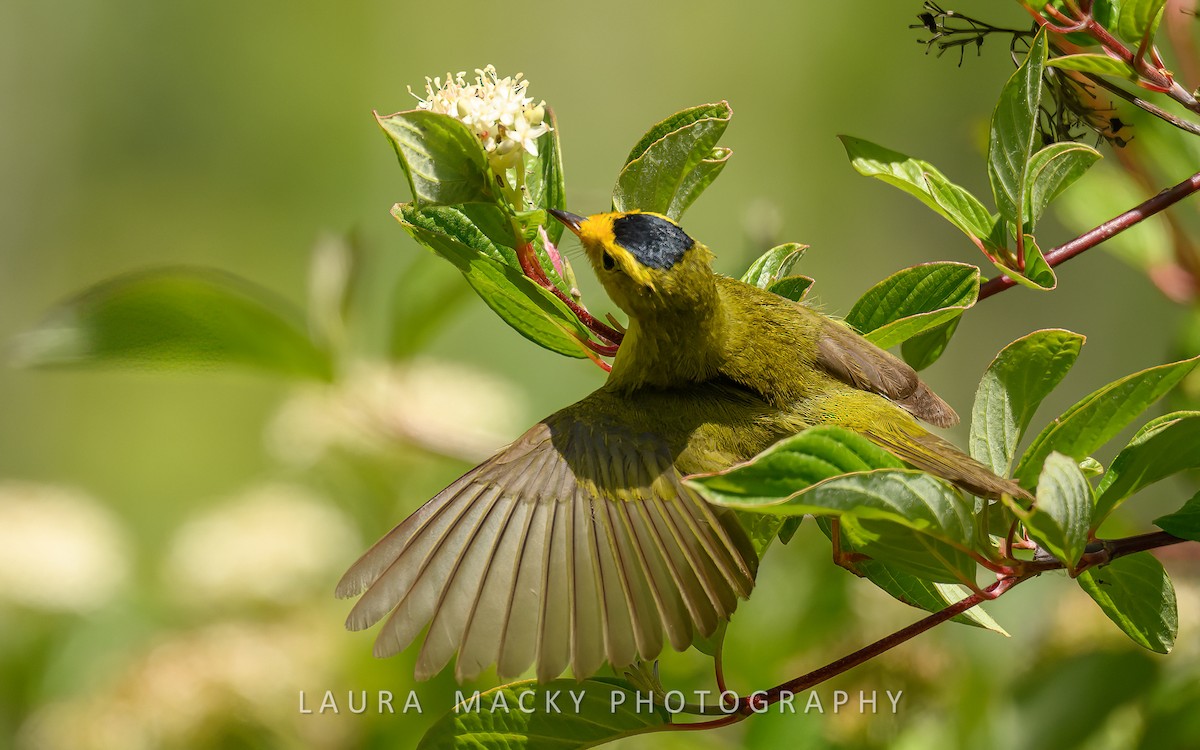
x: 506, y: 121
x: 377, y: 408
x: 276, y: 543
x: 59, y: 549
x: 231, y: 674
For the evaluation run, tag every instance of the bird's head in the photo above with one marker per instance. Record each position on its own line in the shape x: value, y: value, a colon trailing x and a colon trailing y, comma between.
x: 646, y: 262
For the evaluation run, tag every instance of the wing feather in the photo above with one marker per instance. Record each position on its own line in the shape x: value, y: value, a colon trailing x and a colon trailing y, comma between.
x: 856, y: 361
x: 574, y: 546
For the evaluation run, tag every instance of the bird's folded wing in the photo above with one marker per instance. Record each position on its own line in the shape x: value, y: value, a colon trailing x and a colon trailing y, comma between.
x: 570, y: 547
x: 856, y: 361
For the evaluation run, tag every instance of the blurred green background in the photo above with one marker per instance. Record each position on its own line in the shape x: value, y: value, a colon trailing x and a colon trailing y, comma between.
x: 169, y: 543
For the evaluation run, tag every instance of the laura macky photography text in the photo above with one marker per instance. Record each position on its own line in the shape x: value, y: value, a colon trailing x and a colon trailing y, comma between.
x: 568, y: 701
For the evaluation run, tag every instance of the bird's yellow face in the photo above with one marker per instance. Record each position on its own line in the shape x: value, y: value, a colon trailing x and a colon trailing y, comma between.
x: 647, y: 264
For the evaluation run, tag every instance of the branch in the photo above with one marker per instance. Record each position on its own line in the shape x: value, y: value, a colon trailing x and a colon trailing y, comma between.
x: 1110, y: 228
x: 758, y: 701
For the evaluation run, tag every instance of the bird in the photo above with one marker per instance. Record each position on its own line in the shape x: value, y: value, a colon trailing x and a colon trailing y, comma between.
x: 580, y: 544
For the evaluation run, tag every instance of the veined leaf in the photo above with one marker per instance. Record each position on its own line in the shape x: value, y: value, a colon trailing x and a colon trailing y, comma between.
x: 1014, y: 133
x: 924, y: 349
x: 794, y: 288
x: 559, y: 714
x: 174, y: 319
x: 1016, y: 381
x: 1137, y: 595
x: 1139, y: 18
x: 1094, y: 63
x: 442, y: 159
x: 921, y: 180
x: 532, y: 311
x: 1038, y: 273
x: 657, y: 175
x: 1063, y: 514
x: 697, y: 181
x: 1094, y: 420
x: 1163, y: 447
x: 547, y: 188
x: 792, y: 464
x: 774, y: 264
x: 1051, y: 171
x: 913, y: 301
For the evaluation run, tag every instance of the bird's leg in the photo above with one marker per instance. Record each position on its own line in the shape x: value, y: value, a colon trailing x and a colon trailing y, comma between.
x: 841, y: 557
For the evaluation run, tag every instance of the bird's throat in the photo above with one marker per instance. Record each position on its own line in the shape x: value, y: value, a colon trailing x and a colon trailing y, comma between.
x: 674, y: 348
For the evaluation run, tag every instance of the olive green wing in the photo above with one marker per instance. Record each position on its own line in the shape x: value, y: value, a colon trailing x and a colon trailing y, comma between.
x: 574, y: 546
x: 857, y: 362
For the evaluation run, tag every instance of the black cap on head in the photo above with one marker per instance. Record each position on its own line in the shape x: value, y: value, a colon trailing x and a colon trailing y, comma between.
x: 654, y: 241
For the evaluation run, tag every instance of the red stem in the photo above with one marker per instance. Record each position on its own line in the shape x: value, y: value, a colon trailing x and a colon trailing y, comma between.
x: 1114, y: 226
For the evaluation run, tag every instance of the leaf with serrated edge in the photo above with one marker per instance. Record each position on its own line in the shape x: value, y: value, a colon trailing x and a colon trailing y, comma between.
x: 1062, y: 516
x: 1137, y: 595
x: 913, y: 301
x: 1100, y: 415
x: 1163, y: 447
x: 1016, y: 381
x: 516, y: 716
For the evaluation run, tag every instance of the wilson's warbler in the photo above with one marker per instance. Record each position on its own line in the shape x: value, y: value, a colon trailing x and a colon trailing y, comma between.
x: 578, y: 543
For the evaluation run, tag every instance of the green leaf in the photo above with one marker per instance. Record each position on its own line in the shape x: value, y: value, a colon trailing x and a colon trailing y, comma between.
x: 880, y: 511
x: 442, y: 159
x: 1094, y: 63
x: 880, y: 505
x: 698, y: 180
x: 793, y: 464
x: 774, y: 264
x: 1183, y: 523
x: 171, y: 319
x: 1038, y: 273
x: 1095, y: 419
x: 1016, y: 381
x: 794, y: 288
x: 658, y: 174
x: 1014, y: 133
x: 1139, y: 18
x: 1137, y: 595
x: 544, y: 180
x: 927, y: 595
x: 1051, y: 171
x: 921, y: 180
x: 924, y: 349
x: 531, y: 310
x: 1062, y: 516
x: 518, y: 716
x: 1163, y: 447
x: 482, y: 228
x: 913, y: 301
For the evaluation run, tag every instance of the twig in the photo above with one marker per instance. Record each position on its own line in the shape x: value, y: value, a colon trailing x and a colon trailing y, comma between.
x: 1110, y: 228
x: 758, y: 701
x: 1140, y: 103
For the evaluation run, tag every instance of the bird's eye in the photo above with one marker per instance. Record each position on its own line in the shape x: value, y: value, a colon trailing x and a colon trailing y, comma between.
x: 608, y: 262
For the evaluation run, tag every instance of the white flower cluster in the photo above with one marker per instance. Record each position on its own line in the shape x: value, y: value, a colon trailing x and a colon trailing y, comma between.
x: 506, y: 121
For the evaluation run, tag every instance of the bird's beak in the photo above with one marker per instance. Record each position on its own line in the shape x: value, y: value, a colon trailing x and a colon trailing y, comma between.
x: 570, y: 221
